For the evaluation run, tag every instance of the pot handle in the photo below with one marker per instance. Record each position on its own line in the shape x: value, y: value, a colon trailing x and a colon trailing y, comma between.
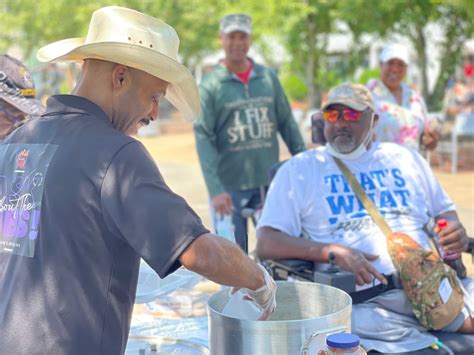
x: 305, y: 348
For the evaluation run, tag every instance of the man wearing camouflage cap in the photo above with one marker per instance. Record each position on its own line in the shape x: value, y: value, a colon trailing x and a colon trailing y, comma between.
x: 243, y: 109
x: 17, y: 95
x: 311, y: 194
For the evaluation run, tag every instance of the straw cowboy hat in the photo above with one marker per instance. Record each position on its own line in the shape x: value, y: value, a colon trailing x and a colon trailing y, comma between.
x: 128, y: 37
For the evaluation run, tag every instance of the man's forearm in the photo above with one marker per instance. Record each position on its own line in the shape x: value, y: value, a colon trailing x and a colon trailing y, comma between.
x: 274, y: 244
x: 223, y: 262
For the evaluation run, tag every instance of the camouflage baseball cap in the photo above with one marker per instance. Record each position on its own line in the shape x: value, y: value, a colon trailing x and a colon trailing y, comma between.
x: 17, y: 87
x: 236, y: 22
x: 355, y: 96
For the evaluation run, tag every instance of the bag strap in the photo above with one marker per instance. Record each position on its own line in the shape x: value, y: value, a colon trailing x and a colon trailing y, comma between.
x: 366, y: 201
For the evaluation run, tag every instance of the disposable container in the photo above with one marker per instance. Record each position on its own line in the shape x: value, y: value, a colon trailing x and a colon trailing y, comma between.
x: 238, y: 307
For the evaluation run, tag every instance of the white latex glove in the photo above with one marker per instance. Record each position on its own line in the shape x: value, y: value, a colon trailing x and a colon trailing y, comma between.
x: 265, y: 296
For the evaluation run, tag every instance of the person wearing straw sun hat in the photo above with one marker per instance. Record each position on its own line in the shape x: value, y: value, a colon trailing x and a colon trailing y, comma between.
x: 85, y: 200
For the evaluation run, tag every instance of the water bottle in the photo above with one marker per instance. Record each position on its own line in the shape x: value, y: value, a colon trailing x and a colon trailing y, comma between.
x: 454, y: 260
x: 342, y: 343
x: 225, y: 228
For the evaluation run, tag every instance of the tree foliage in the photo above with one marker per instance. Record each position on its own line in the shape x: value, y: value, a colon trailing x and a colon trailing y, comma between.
x: 33, y: 23
x: 412, y: 19
x: 305, y: 28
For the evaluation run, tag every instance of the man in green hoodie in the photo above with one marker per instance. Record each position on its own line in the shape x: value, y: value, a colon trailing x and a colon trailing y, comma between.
x: 243, y: 109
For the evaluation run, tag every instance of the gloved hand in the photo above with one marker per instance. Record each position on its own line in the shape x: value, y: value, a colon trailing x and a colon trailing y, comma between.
x: 264, y: 297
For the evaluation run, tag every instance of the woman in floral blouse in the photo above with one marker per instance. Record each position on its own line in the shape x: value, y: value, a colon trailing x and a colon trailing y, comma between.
x: 402, y: 111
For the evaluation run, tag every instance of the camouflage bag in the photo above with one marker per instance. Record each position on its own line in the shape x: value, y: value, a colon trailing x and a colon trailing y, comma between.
x: 430, y: 285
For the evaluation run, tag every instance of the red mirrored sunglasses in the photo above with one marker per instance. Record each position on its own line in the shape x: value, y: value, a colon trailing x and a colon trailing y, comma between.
x: 347, y: 114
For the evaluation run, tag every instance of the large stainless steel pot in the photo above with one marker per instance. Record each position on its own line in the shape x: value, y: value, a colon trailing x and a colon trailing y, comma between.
x: 305, y: 313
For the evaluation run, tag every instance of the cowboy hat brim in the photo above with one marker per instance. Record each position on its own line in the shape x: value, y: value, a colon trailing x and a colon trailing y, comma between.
x: 182, y: 91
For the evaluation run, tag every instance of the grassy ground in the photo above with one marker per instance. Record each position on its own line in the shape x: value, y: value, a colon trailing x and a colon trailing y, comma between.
x: 176, y: 157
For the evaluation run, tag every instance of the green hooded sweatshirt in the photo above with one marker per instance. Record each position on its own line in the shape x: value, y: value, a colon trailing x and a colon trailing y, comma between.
x: 236, y: 133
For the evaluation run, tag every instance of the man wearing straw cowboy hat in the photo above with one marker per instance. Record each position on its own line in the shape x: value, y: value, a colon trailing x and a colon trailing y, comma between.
x: 81, y: 201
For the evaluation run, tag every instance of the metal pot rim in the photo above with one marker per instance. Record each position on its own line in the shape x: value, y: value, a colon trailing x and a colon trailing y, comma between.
x: 271, y: 323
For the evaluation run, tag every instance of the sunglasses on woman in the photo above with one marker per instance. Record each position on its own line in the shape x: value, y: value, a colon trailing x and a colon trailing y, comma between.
x: 347, y: 114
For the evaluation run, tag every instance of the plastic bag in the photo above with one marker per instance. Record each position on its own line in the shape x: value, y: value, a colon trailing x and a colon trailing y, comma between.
x: 173, y: 336
x: 225, y: 228
x: 151, y: 286
x: 238, y: 307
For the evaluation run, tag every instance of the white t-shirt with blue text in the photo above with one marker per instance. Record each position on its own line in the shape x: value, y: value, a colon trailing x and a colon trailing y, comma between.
x: 310, y: 193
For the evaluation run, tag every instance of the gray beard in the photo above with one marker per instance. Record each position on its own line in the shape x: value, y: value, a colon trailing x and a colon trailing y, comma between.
x: 344, y: 144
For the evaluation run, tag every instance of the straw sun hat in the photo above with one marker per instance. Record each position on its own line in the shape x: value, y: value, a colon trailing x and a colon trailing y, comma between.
x: 128, y: 37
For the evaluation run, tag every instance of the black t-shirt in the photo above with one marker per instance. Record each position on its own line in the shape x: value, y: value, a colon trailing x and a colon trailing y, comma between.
x: 80, y: 203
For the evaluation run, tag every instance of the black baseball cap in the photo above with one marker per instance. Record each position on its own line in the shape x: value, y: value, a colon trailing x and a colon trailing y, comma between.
x: 17, y: 87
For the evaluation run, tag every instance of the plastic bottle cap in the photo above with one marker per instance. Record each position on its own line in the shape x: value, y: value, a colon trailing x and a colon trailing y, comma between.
x: 442, y: 223
x: 342, y: 340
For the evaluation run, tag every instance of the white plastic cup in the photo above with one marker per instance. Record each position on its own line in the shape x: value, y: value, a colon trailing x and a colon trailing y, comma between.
x: 238, y: 307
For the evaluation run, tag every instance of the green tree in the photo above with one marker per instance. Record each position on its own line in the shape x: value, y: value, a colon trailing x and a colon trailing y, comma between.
x: 412, y: 19
x: 455, y: 20
x: 303, y: 27
x: 295, y: 88
x: 33, y: 23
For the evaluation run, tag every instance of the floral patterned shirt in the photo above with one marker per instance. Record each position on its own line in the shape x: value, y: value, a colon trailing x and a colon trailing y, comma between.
x: 399, y: 124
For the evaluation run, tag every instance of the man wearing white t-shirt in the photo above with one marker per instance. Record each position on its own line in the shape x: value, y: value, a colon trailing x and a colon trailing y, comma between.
x: 310, y: 194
